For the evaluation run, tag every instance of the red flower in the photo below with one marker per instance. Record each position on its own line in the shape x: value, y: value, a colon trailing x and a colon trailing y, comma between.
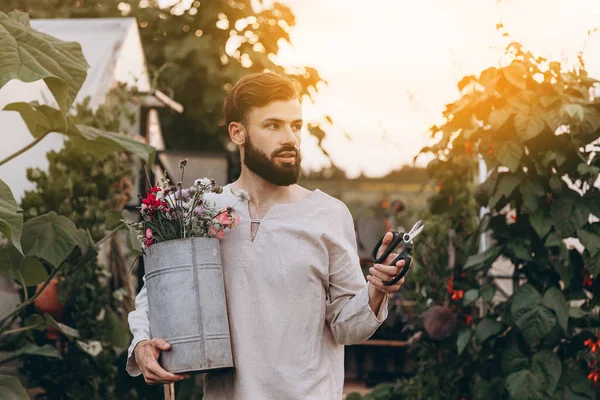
x: 450, y: 284
x: 588, y: 281
x: 154, y: 189
x: 593, y: 345
x: 457, y: 294
x: 468, y: 319
x: 491, y: 149
x: 594, y: 376
x: 468, y: 147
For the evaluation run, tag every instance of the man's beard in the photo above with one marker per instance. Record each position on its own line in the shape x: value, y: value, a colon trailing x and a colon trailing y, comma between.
x: 267, y: 168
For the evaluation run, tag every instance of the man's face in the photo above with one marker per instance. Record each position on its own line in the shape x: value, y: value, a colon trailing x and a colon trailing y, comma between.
x: 272, y: 146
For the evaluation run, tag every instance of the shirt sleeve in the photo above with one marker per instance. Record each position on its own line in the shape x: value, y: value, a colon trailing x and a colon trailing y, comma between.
x: 347, y: 310
x: 139, y: 324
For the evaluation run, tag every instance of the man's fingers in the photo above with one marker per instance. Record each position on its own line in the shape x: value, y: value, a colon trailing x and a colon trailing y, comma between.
x: 387, y: 239
x: 160, y: 344
x: 390, y: 269
x: 155, y: 368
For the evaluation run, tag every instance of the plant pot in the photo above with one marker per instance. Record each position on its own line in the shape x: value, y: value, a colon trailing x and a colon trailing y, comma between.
x: 47, y: 302
x: 187, y: 305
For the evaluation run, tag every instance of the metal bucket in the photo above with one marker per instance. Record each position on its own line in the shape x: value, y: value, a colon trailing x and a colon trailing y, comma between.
x: 187, y: 305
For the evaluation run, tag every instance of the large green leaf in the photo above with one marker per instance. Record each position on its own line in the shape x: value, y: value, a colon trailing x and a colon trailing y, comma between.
x: 555, y: 300
x: 471, y: 295
x: 464, y: 337
x: 487, y: 257
x: 534, y: 323
x: 591, y: 200
x: 507, y: 183
x: 11, y: 217
x: 28, y: 55
x: 50, y: 237
x: 532, y: 192
x: 509, y: 154
x: 528, y: 126
x: 513, y: 360
x: 525, y: 296
x: 540, y: 222
x: 498, y: 118
x: 487, y: 328
x: 516, y: 74
x: 487, y: 292
x: 547, y: 365
x: 32, y: 271
x: 41, y: 119
x: 34, y: 350
x: 590, y: 238
x: 525, y: 385
x: 11, y: 388
x: 568, y: 214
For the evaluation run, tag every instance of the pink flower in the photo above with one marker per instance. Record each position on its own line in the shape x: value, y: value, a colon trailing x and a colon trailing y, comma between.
x: 216, y: 232
x: 149, y: 234
x: 225, y: 218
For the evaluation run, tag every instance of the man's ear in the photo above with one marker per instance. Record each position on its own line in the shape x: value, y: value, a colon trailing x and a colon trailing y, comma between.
x: 237, y: 133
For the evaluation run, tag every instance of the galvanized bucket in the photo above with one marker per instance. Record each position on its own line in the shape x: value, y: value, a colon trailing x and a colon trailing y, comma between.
x: 187, y: 305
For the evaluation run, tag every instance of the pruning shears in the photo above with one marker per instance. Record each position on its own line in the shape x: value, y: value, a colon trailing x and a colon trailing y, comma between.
x: 399, y: 238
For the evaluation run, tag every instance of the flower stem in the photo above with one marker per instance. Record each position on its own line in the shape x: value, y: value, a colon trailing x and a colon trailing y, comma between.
x: 24, y: 149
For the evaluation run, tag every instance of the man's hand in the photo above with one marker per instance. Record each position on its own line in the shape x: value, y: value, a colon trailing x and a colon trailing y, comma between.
x: 384, y: 272
x: 146, y: 355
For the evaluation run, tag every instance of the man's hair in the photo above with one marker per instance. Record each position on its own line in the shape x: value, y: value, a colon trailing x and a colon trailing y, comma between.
x: 257, y: 90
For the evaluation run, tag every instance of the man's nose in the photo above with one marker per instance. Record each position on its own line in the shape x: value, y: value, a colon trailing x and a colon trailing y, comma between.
x: 289, y: 138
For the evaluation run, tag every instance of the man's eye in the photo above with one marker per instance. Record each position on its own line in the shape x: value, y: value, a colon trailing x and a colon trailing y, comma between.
x: 297, y: 127
x: 273, y: 126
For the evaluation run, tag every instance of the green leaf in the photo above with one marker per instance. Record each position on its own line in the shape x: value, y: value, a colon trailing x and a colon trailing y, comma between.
x: 577, y: 312
x: 509, y: 154
x: 471, y: 295
x: 528, y: 126
x: 487, y: 257
x: 507, y: 183
x: 134, y: 245
x: 540, y: 222
x: 534, y: 323
x: 591, y: 240
x: 36, y: 322
x: 49, y: 237
x: 519, y: 250
x: 487, y: 292
x: 525, y: 297
x: 33, y: 271
x: 575, y: 111
x: 464, y: 337
x: 553, y: 240
x: 555, y: 300
x: 592, y: 264
x: 591, y: 200
x: 568, y: 215
x: 11, y: 388
x: 524, y: 385
x: 547, y: 364
x: 513, y: 360
x: 66, y: 330
x: 112, y: 219
x: 558, y: 157
x: 498, y: 118
x: 556, y: 184
x: 516, y: 74
x: 84, y: 240
x: 11, y: 217
x: 119, y: 336
x: 492, y: 389
x: 28, y: 55
x: 34, y: 350
x: 42, y: 119
x: 487, y: 328
x: 531, y: 192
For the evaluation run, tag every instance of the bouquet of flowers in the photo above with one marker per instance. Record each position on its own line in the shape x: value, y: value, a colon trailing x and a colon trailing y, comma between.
x: 171, y: 212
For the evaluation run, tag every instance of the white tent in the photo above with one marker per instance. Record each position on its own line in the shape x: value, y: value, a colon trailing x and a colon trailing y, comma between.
x: 114, y: 52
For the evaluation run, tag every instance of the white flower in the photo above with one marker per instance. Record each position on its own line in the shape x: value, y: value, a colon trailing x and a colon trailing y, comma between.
x: 202, y: 182
x: 243, y: 195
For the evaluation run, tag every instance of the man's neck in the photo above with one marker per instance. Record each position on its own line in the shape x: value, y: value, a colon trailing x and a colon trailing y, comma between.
x: 262, y: 192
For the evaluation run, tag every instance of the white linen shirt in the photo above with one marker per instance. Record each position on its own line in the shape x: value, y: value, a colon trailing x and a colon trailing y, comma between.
x: 295, y: 296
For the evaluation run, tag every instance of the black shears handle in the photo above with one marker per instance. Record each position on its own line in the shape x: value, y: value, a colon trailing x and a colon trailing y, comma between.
x: 396, y: 240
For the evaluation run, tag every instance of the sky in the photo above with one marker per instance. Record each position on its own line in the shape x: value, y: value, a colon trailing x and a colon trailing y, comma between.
x: 392, y: 65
